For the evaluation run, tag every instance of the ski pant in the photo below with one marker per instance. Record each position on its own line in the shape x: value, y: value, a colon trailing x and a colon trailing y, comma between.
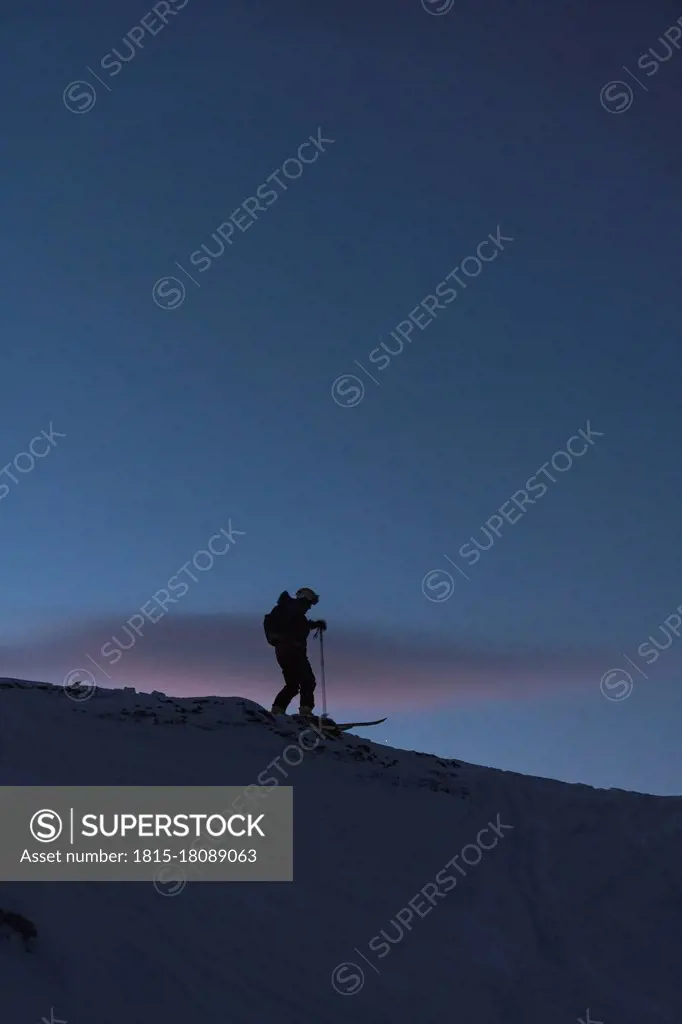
x: 298, y: 677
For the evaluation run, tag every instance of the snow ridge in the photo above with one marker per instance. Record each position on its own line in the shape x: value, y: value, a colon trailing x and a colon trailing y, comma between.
x: 573, y: 902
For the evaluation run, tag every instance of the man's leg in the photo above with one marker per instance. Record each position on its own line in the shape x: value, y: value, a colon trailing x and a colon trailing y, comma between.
x: 306, y: 682
x: 289, y: 667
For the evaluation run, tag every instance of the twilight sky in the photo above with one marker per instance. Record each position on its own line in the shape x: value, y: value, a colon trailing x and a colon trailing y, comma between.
x: 443, y: 264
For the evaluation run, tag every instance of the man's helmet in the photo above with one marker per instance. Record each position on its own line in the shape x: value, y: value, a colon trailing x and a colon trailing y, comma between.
x: 306, y: 594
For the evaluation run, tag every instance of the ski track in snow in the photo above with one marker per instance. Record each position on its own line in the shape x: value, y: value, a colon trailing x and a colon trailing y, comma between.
x: 578, y: 905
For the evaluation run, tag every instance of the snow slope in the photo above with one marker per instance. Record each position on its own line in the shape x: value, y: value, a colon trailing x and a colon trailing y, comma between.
x: 577, y: 905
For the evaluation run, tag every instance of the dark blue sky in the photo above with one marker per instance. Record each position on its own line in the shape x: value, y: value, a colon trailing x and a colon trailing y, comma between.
x: 446, y: 129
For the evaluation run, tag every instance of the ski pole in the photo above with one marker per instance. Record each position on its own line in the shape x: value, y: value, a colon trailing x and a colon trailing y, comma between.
x: 322, y: 679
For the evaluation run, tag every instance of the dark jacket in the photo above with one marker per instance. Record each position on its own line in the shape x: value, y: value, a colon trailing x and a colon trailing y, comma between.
x: 288, y: 625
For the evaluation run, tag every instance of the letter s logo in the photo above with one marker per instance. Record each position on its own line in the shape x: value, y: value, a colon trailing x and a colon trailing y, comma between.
x: 46, y: 826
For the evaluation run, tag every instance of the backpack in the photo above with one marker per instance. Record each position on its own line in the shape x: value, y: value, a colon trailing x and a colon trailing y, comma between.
x: 276, y: 620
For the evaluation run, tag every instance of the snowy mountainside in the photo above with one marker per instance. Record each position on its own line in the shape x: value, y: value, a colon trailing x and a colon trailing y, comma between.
x: 426, y: 889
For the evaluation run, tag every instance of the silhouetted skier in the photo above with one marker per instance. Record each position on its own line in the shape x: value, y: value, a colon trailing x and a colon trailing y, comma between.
x: 287, y: 628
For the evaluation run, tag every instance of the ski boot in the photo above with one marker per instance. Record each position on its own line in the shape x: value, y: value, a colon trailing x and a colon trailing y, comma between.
x: 322, y: 723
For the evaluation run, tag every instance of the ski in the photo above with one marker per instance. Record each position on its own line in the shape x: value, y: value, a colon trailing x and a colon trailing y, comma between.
x: 344, y: 726
x: 328, y: 727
